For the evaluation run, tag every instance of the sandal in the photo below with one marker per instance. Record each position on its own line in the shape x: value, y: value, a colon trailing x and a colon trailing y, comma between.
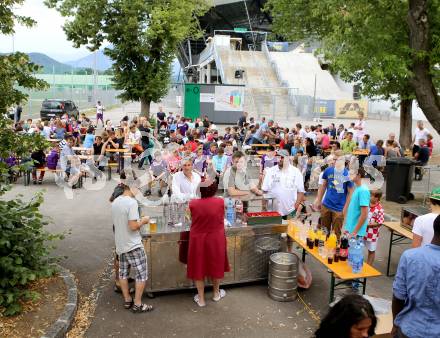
x: 221, y: 295
x: 142, y: 308
x: 197, y: 301
x: 129, y: 304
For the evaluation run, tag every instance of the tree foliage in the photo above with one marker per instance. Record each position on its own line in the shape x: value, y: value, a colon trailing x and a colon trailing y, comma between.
x: 15, y: 68
x: 144, y: 36
x: 365, y: 41
x: 24, y: 248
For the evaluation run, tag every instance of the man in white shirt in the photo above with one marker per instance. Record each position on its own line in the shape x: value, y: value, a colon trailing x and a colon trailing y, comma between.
x: 420, y: 133
x: 423, y: 228
x: 185, y: 183
x: 285, y: 183
x: 99, y: 113
x: 129, y: 248
x: 300, y: 131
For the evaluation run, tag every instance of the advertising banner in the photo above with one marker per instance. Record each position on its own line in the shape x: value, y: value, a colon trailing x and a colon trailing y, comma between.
x: 229, y: 98
x: 351, y: 108
x: 325, y: 108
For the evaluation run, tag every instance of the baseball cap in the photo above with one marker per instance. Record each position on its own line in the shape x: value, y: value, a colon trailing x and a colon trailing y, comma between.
x: 282, y: 152
x: 435, y: 194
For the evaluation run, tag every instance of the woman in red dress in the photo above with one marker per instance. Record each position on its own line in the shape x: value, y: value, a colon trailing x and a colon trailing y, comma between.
x: 207, y: 256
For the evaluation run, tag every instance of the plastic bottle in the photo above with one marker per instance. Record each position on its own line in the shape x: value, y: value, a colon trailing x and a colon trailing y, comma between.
x: 351, y: 248
x: 343, y: 252
x: 230, y: 210
x: 238, y: 211
x: 357, y: 257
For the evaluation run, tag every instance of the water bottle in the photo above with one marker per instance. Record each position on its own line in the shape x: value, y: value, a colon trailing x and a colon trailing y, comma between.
x: 358, y: 257
x: 238, y: 211
x: 230, y: 210
x: 351, y: 246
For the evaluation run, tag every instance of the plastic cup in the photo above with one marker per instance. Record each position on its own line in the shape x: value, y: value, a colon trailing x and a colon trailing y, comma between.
x: 153, y: 225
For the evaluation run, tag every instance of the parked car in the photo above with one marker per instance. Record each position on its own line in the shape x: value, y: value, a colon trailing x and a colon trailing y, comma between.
x: 53, y: 108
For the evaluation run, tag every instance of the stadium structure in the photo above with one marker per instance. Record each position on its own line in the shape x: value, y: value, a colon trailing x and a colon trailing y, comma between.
x: 281, y: 79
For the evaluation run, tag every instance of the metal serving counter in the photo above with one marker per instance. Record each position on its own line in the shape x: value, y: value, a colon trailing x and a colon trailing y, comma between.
x: 167, y: 250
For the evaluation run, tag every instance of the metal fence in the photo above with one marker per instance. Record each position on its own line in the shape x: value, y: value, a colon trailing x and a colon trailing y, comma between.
x: 83, y: 90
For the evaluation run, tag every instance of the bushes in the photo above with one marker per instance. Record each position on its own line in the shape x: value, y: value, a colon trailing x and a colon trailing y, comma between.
x: 24, y: 251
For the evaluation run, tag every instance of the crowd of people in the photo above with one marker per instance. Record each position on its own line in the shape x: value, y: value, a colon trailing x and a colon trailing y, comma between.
x: 179, y: 154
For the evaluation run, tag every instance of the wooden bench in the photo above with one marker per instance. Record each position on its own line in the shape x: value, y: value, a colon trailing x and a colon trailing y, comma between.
x: 109, y: 167
x: 27, y: 174
x: 340, y: 270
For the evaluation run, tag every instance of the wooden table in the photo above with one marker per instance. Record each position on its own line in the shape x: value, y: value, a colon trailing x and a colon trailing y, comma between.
x: 81, y: 149
x: 262, y: 152
x: 121, y: 159
x: 358, y: 152
x: 263, y: 145
x: 398, y: 235
x: 340, y: 270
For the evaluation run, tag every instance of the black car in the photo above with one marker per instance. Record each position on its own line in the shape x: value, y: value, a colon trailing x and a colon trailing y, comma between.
x: 54, y: 108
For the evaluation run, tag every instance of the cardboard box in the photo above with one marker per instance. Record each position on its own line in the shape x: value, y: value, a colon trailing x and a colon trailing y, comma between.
x: 384, y: 325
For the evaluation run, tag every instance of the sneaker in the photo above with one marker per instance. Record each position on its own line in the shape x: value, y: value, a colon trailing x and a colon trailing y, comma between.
x: 34, y: 181
x: 40, y: 181
x: 160, y: 193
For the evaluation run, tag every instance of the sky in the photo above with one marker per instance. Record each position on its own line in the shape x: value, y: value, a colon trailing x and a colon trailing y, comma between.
x: 47, y: 36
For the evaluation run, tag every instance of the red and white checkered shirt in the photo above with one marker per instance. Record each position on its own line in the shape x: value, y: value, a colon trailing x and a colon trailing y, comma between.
x: 375, y: 216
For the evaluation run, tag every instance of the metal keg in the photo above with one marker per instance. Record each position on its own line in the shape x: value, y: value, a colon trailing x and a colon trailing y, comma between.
x: 283, y: 270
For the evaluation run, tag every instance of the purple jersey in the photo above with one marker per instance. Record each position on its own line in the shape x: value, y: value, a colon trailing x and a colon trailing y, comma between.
x: 199, y: 164
x: 158, y: 167
x: 267, y: 162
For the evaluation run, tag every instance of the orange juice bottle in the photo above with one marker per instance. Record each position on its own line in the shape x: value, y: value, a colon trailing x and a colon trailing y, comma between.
x: 332, y: 240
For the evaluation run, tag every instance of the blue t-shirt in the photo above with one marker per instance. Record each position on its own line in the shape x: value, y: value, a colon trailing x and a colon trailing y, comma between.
x: 375, y: 150
x: 219, y: 162
x: 359, y: 198
x: 338, y: 183
x: 417, y: 282
x: 89, y: 140
x: 294, y: 150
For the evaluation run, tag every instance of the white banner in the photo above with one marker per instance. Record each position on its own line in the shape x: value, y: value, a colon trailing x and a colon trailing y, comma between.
x: 229, y: 98
x: 207, y: 97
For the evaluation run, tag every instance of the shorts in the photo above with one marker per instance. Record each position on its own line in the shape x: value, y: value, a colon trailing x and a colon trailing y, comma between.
x: 135, y: 259
x: 331, y: 218
x: 371, y: 246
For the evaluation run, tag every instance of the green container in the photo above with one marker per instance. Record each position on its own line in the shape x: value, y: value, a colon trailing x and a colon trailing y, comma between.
x: 264, y: 220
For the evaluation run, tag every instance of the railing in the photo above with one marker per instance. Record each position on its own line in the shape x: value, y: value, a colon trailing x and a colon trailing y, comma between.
x: 218, y: 63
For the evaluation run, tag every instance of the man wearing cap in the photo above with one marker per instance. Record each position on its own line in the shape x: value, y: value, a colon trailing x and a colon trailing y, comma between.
x: 337, y: 187
x: 285, y: 183
x: 423, y: 229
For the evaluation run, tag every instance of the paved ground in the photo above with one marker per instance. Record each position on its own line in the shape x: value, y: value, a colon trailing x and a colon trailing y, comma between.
x: 245, y: 312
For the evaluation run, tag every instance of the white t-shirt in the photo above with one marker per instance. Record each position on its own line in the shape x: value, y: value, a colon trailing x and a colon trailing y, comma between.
x: 124, y: 209
x: 312, y: 135
x: 184, y: 189
x: 359, y: 133
x: 420, y: 134
x: 424, y: 227
x: 134, y: 137
x: 99, y: 109
x: 284, y: 186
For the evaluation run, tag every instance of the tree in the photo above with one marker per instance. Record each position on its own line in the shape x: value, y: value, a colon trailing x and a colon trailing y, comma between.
x: 15, y: 68
x: 144, y: 36
x: 365, y: 42
x: 24, y: 249
x: 424, y: 38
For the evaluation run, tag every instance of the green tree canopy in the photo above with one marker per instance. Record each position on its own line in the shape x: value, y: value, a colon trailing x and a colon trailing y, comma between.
x: 144, y: 36
x: 15, y: 68
x: 366, y: 42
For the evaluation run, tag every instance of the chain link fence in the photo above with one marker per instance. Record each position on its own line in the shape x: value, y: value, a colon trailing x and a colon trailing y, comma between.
x: 83, y: 90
